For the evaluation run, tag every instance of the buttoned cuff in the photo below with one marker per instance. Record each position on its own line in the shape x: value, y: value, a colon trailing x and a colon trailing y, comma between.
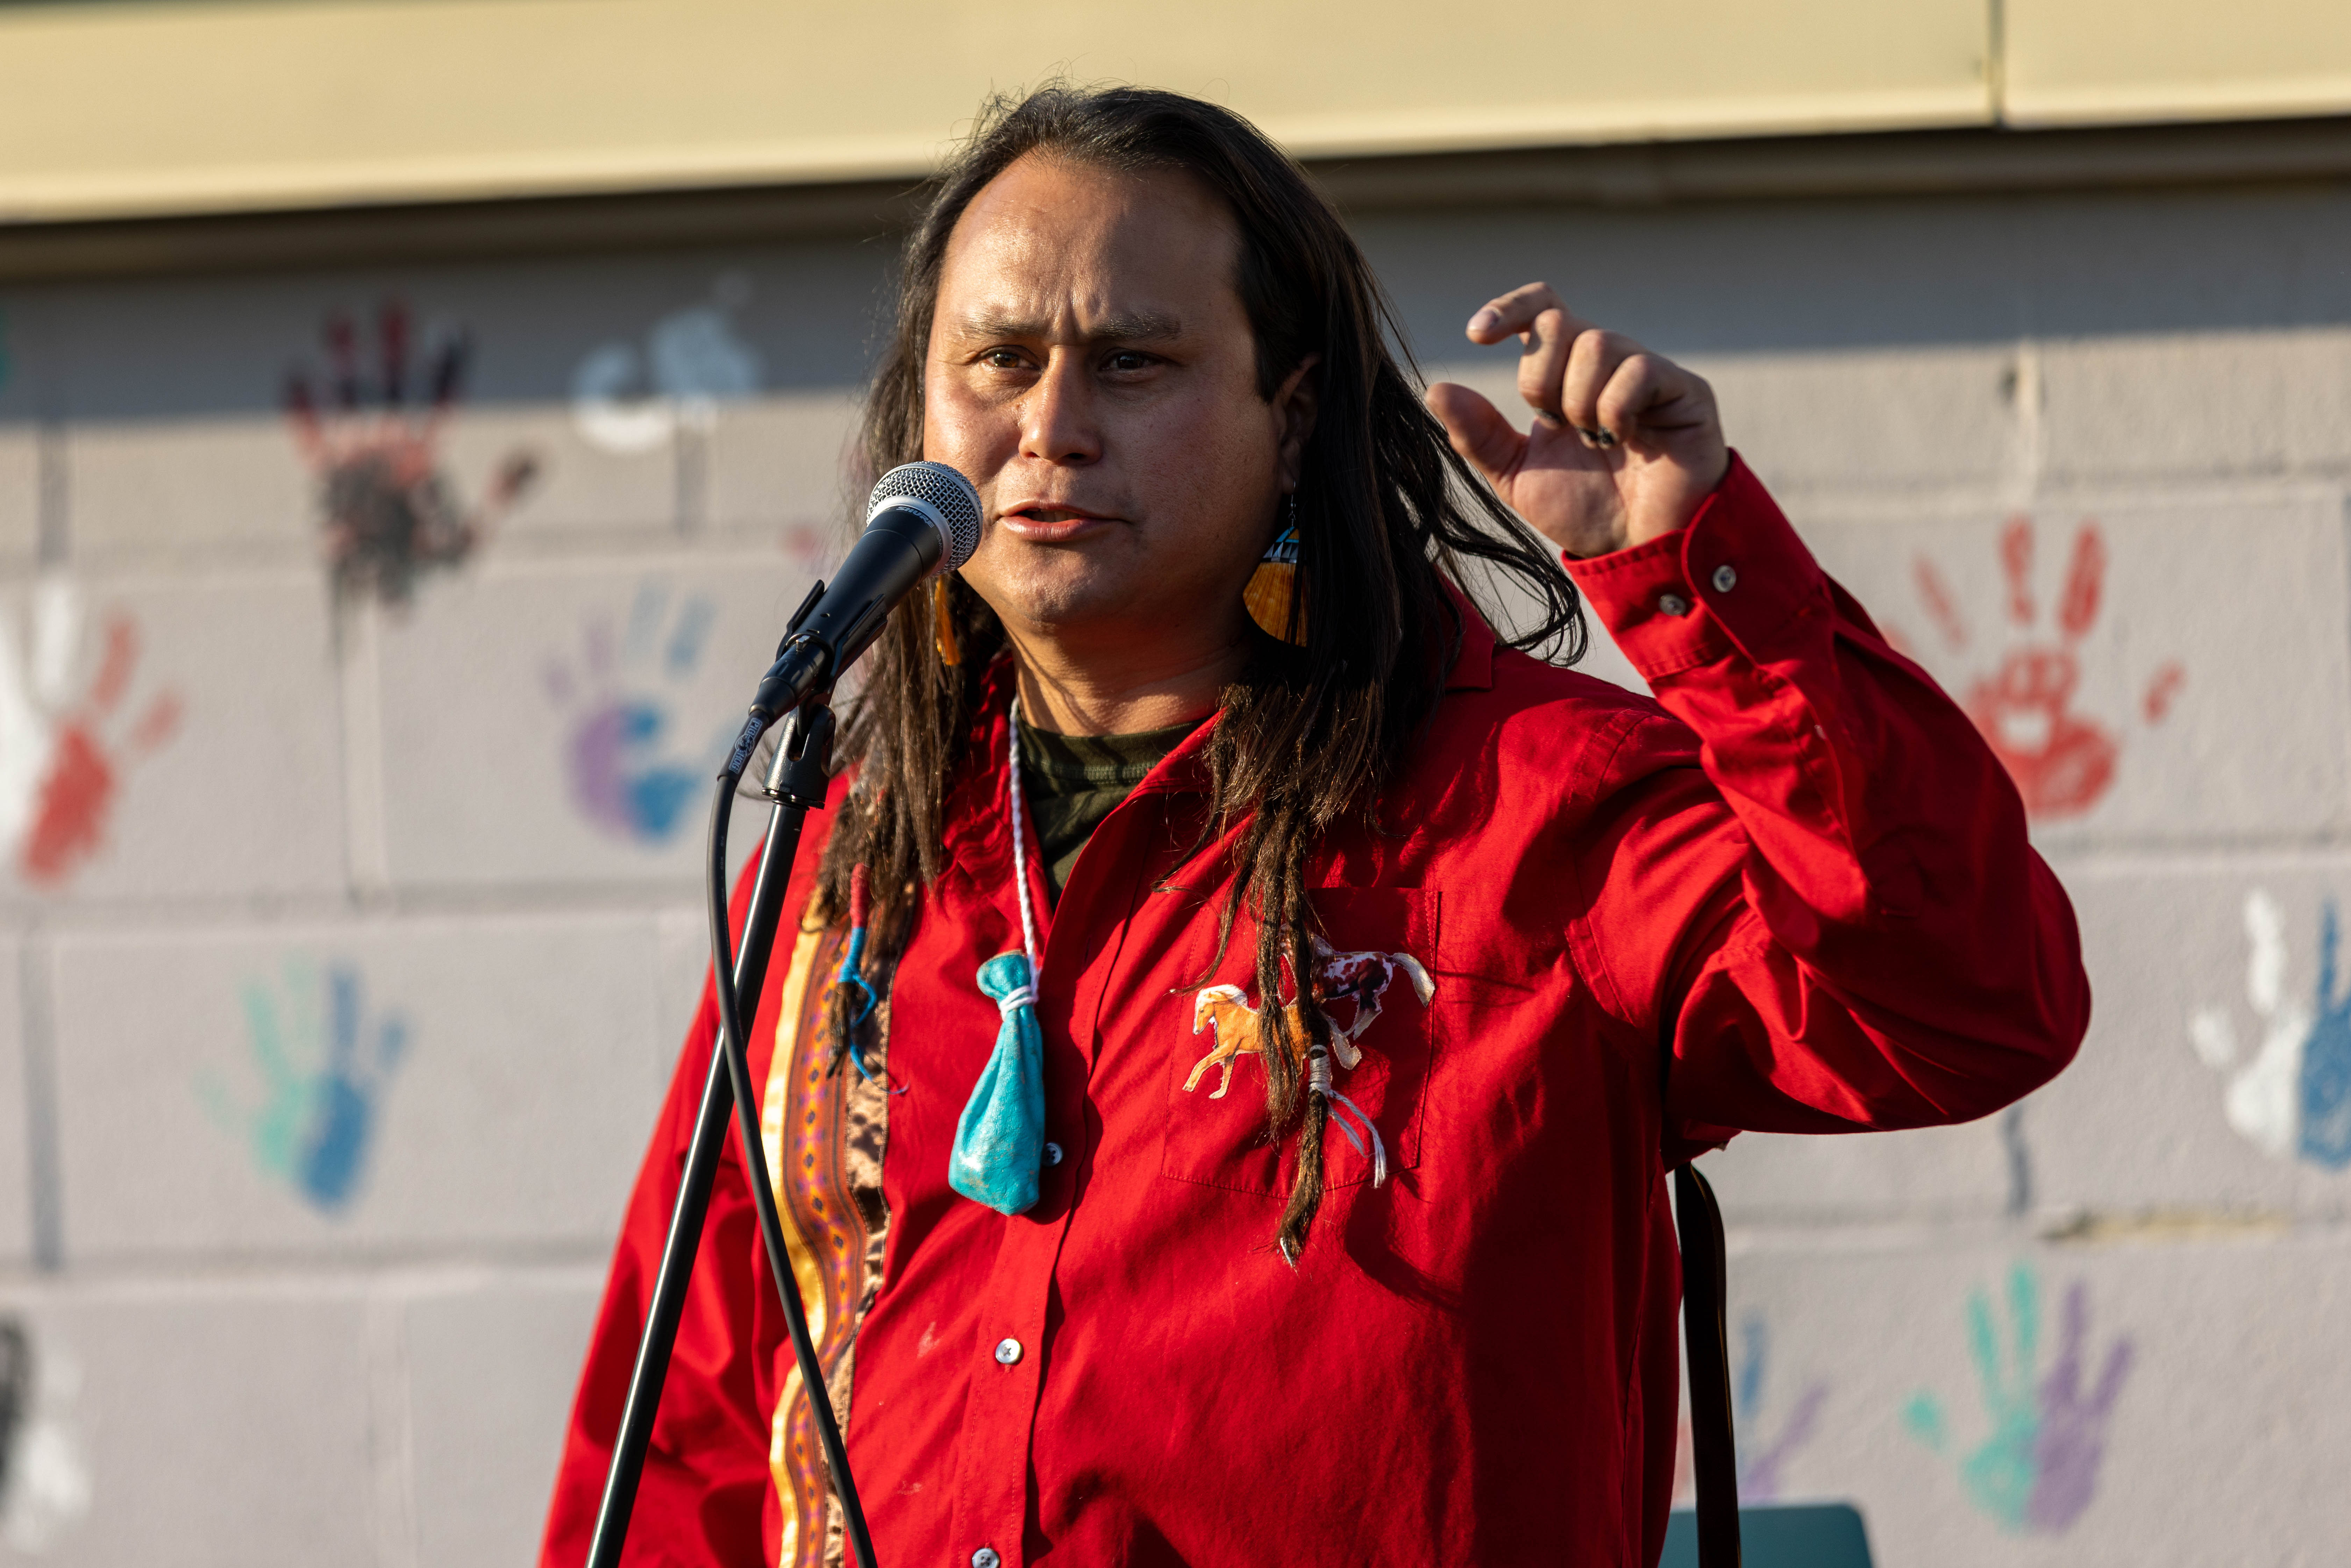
x: 1733, y: 578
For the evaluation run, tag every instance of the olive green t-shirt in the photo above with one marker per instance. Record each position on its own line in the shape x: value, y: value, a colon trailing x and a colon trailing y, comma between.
x: 1071, y: 782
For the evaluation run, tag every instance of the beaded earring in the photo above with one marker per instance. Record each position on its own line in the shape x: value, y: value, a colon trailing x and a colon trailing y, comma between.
x: 1273, y: 595
x: 942, y: 631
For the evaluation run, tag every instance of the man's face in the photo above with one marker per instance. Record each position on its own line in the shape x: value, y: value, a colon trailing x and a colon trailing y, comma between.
x: 1091, y: 370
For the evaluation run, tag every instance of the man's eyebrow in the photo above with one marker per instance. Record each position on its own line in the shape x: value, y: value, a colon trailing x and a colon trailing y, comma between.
x: 1120, y: 327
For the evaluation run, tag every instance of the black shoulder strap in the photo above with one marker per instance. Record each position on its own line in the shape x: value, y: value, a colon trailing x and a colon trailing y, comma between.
x: 1715, y: 1454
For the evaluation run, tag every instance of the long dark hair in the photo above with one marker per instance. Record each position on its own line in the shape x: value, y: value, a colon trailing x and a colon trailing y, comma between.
x: 1386, y: 516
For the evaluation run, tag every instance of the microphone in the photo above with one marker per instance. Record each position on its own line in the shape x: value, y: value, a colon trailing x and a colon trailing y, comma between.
x: 923, y: 519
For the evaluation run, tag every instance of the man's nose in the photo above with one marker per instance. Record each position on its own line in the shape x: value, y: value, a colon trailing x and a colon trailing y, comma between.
x: 1058, y: 420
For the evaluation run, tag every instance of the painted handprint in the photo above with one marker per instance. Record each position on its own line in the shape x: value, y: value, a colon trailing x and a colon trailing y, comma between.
x: 1760, y: 1459
x: 45, y: 1480
x: 2062, y: 762
x: 626, y: 399
x: 63, y: 751
x: 324, y: 1065
x: 2292, y: 1098
x: 371, y: 436
x: 2038, y: 1469
x: 627, y: 774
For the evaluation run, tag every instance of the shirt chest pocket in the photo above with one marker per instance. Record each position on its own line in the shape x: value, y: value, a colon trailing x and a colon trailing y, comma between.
x: 1375, y: 977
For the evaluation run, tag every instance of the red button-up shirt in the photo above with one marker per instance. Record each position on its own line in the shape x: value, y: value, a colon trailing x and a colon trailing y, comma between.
x: 1794, y: 893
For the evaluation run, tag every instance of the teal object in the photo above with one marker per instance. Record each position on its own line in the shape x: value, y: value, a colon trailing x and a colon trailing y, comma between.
x: 1778, y: 1535
x: 999, y: 1144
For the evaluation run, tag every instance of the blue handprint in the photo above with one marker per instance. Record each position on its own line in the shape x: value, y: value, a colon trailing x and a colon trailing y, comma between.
x: 624, y: 775
x: 2038, y: 1469
x: 2326, y: 1057
x: 322, y: 1083
x: 1761, y: 1462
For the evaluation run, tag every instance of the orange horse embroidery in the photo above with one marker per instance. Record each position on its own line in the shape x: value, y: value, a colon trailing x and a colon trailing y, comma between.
x: 1359, y: 979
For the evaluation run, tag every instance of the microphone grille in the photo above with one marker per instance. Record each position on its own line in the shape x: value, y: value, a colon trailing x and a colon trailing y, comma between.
x: 948, y: 493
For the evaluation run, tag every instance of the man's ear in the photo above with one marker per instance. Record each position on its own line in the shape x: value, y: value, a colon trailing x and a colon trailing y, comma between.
x: 1295, y: 403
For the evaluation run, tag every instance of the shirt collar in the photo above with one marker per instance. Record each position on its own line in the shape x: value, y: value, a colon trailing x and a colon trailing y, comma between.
x: 976, y: 816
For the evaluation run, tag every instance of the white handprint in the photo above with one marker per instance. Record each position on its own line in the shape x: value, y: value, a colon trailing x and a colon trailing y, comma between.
x: 2263, y: 1099
x: 44, y: 1474
x: 28, y: 738
x: 628, y: 401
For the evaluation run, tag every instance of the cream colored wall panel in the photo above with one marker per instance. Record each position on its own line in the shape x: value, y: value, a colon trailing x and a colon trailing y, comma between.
x: 2179, y: 405
x: 578, y: 486
x: 149, y: 488
x: 786, y: 460
x: 149, y: 1405
x: 491, y: 1367
x: 151, y: 108
x: 2071, y: 61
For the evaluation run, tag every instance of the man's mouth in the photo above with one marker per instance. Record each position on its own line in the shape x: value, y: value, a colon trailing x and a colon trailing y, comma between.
x: 1049, y: 521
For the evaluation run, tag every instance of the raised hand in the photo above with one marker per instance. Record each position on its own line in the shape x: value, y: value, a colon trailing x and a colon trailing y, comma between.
x: 1625, y: 444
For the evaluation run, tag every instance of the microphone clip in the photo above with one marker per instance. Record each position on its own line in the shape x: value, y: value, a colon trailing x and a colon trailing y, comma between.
x: 801, y: 770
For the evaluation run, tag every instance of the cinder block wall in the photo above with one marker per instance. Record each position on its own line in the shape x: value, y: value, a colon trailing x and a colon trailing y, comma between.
x: 349, y: 937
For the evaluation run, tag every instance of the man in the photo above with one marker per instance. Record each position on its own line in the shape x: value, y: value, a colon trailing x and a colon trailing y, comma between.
x: 1521, y: 938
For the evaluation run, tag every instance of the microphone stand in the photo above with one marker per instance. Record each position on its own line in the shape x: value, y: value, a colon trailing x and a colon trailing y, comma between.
x: 797, y: 782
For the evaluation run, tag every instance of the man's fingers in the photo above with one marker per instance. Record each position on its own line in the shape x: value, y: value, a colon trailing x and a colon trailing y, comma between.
x: 1549, y: 338
x: 1477, y: 428
x: 1505, y: 314
x: 1592, y: 365
x: 1511, y: 313
x: 1647, y: 392
x: 1557, y: 375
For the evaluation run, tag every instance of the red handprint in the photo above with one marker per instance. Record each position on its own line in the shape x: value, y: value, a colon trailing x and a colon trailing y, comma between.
x: 2063, y: 762
x: 391, y: 515
x: 77, y: 791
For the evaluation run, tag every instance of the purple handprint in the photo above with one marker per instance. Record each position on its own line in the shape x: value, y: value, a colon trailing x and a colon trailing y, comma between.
x: 1761, y: 1462
x: 630, y: 775
x: 2071, y: 1442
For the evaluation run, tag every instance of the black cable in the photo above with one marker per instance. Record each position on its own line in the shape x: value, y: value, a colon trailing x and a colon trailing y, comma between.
x: 784, y: 827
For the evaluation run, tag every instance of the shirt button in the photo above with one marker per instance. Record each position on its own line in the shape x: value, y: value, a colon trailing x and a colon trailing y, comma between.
x: 1052, y: 1153
x: 1726, y: 577
x: 1673, y: 604
x: 985, y: 1557
x: 1008, y: 1350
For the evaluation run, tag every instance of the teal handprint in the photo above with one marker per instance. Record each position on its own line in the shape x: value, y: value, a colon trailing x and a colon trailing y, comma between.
x: 2038, y: 1469
x: 322, y: 1082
